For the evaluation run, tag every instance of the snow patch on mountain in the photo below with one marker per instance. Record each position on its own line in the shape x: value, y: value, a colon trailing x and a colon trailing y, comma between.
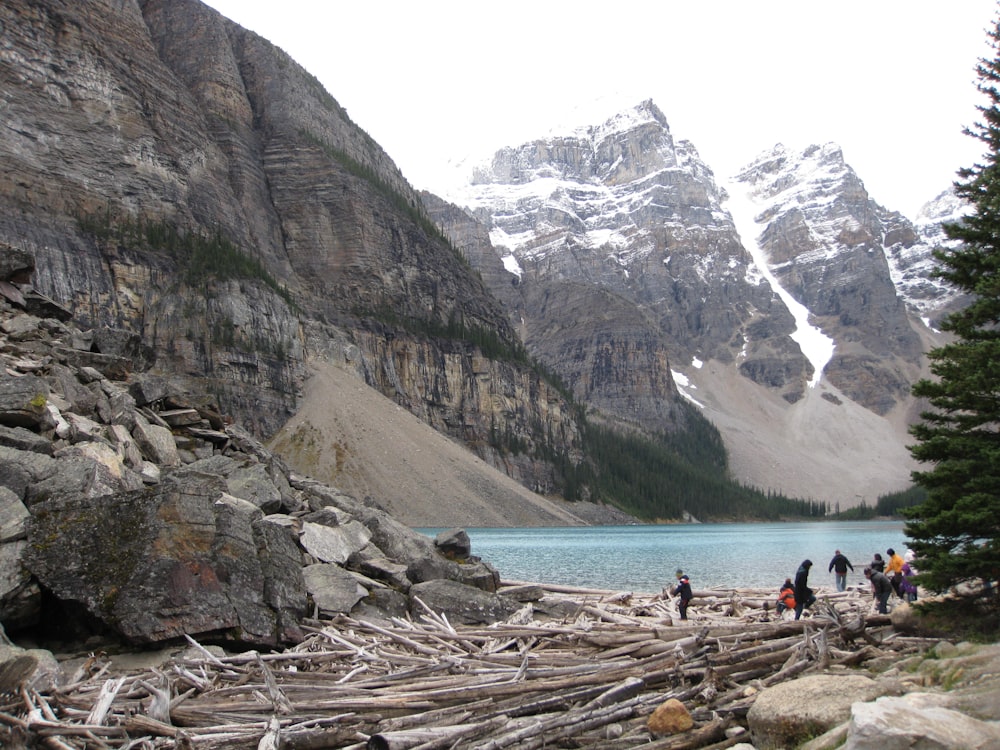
x: 815, y: 345
x: 685, y: 386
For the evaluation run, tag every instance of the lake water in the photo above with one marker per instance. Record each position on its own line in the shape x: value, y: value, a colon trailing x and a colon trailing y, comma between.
x: 644, y: 558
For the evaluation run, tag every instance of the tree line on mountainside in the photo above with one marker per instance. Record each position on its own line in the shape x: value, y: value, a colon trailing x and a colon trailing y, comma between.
x: 670, y: 477
x: 891, y: 505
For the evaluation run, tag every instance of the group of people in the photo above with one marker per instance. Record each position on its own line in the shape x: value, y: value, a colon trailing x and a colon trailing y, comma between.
x: 894, y: 576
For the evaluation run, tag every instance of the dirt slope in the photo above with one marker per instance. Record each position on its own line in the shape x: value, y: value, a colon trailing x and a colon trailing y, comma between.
x: 824, y: 447
x: 349, y: 436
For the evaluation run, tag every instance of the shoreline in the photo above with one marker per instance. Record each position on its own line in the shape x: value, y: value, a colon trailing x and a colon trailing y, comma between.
x: 588, y: 666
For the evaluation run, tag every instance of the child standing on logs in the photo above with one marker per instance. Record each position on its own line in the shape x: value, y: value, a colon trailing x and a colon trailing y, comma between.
x: 683, y: 590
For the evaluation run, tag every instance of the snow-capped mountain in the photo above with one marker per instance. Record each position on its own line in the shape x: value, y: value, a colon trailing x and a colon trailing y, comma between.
x: 630, y: 259
x: 625, y: 208
x: 827, y: 243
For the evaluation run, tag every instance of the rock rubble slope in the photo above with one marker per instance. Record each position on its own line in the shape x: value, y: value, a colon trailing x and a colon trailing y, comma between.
x: 129, y: 510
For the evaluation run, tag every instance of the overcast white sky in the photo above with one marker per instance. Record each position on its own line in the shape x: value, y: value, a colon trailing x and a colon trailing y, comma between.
x: 433, y: 81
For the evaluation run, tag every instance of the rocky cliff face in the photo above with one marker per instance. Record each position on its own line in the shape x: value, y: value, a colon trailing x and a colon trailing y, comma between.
x: 178, y: 176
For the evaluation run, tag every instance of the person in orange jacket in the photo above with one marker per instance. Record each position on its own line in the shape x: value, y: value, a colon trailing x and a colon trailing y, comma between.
x: 894, y: 569
x: 786, y: 596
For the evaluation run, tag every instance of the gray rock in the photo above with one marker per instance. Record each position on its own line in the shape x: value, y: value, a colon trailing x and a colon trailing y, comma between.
x: 156, y: 443
x: 454, y: 544
x: 917, y: 721
x: 83, y: 429
x: 117, y: 406
x: 79, y: 398
x: 23, y: 400
x: 474, y: 573
x: 248, y: 479
x: 109, y: 365
x: 23, y: 327
x: 20, y: 470
x: 463, y: 604
x: 237, y: 565
x: 148, y: 389
x: 24, y: 440
x: 382, y: 604
x: 121, y: 438
x: 334, y: 544
x: 29, y: 667
x: 13, y: 516
x: 38, y: 304
x: 20, y: 595
x: 281, y: 563
x: 16, y: 265
x: 332, y: 588
x: 792, y: 712
x: 252, y: 482
x: 175, y: 561
x: 86, y: 469
x: 328, y: 516
x: 372, y: 562
x: 125, y: 345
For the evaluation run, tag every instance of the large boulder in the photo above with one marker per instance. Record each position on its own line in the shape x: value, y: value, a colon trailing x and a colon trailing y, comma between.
x: 246, y: 478
x: 917, y: 721
x: 156, y: 564
x: 787, y: 714
x: 333, y: 589
x: 334, y: 544
x: 454, y: 544
x: 462, y: 604
x: 23, y: 401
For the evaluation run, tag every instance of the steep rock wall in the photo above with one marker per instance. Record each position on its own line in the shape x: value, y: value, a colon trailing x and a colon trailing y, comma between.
x: 136, y: 126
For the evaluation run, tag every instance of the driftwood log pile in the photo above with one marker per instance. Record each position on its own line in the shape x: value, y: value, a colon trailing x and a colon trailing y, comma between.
x: 591, y: 678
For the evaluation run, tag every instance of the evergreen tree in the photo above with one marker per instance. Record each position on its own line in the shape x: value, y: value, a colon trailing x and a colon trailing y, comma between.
x: 956, y: 530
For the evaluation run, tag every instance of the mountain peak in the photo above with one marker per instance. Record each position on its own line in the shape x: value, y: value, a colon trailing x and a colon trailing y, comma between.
x: 599, y: 118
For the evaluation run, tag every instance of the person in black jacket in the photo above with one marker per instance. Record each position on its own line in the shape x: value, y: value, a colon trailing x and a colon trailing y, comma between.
x: 683, y: 590
x: 839, y: 565
x: 803, y: 594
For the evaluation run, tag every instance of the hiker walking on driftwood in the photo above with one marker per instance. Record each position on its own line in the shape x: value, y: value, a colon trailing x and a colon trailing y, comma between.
x: 839, y: 565
x: 683, y: 590
x: 803, y: 594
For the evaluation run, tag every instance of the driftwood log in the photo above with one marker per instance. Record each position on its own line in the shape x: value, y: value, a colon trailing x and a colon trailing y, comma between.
x: 589, y: 681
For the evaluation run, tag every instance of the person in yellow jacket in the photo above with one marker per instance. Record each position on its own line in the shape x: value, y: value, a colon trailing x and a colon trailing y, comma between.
x: 894, y: 569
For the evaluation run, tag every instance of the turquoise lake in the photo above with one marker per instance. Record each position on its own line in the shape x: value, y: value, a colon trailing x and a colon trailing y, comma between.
x: 644, y: 558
